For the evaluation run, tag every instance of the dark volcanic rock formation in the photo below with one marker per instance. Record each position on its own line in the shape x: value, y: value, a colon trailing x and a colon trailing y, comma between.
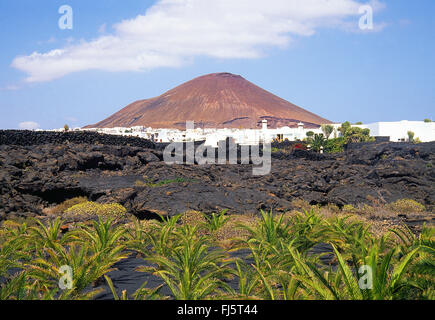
x: 31, y: 138
x: 34, y: 177
x: 219, y: 100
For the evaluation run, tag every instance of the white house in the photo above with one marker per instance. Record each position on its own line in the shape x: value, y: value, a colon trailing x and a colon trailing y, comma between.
x: 398, y: 131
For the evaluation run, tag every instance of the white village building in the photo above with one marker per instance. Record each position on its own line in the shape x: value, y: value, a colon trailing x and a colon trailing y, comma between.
x: 396, y: 131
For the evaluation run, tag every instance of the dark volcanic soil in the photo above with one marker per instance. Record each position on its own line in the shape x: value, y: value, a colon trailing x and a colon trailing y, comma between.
x: 39, y: 170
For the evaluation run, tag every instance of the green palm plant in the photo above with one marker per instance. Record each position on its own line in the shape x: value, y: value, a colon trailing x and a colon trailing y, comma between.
x: 12, y: 252
x: 170, y: 221
x: 216, y: 221
x: 138, y: 233
x: 14, y: 288
x: 268, y: 286
x: 388, y: 272
x: 327, y: 130
x: 270, y: 229
x: 101, y: 236
x: 318, y: 142
x: 264, y: 263
x: 12, y: 229
x: 275, y: 268
x: 279, y: 284
x: 142, y: 293
x: 268, y: 247
x: 161, y: 239
x: 19, y: 288
x: 423, y: 265
x: 138, y: 236
x: 42, y: 250
x: 307, y: 281
x: 408, y: 240
x: 87, y: 266
x: 401, y: 264
x: 191, y: 270
x: 423, y: 268
x: 386, y: 279
x: 264, y: 238
x: 104, y: 240
x: 352, y: 238
x: 47, y: 235
x: 308, y: 229
x: 248, y: 281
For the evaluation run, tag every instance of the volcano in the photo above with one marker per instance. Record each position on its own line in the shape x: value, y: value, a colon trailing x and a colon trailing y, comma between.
x: 218, y: 100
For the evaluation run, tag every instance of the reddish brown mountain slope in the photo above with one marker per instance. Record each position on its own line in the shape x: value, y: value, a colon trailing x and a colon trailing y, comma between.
x: 219, y: 100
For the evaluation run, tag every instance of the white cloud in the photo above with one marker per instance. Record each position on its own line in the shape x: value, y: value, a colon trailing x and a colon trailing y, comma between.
x: 28, y: 125
x: 173, y: 32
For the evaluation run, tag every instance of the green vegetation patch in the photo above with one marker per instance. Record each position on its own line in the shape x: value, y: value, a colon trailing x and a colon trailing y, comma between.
x: 406, y: 206
x: 277, y: 257
x: 109, y: 210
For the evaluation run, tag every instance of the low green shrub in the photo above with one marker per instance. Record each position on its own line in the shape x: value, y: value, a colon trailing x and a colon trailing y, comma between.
x: 335, y: 145
x: 406, y: 206
x: 109, y: 210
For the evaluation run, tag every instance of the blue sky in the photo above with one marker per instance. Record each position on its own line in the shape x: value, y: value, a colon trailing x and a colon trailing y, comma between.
x: 122, y: 51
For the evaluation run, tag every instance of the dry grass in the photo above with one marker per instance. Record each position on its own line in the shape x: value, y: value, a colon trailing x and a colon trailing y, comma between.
x: 61, y: 208
x: 228, y: 235
x: 289, y: 215
x: 300, y: 204
x: 380, y: 217
x: 195, y: 219
x: 146, y: 226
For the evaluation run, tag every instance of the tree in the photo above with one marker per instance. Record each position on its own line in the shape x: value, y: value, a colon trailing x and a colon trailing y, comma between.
x: 66, y: 128
x: 427, y: 120
x: 318, y: 142
x: 411, y: 136
x: 310, y: 134
x: 335, y: 145
x: 327, y: 130
x: 355, y: 134
x: 344, y: 127
x: 358, y: 123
